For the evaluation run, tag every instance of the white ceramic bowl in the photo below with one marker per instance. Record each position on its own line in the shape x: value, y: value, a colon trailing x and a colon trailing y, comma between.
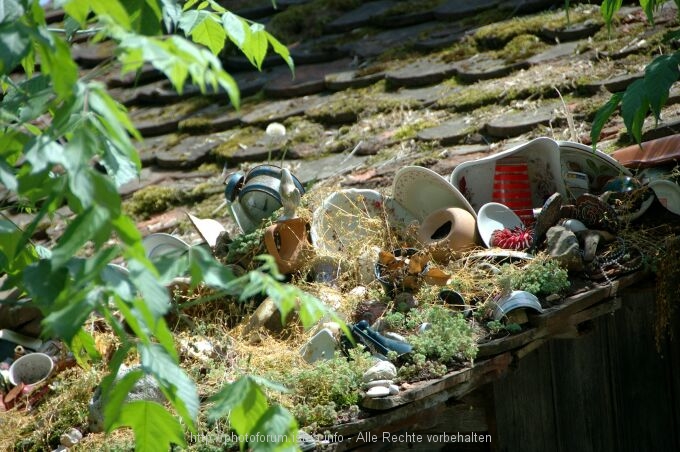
x: 494, y: 216
x: 596, y: 165
x: 668, y: 194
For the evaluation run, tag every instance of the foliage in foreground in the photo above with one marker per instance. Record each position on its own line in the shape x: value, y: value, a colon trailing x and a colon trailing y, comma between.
x: 646, y: 95
x: 53, y: 125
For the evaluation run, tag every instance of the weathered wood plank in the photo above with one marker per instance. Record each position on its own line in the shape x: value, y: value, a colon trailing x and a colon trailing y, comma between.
x: 555, y: 320
x: 425, y: 388
x: 582, y: 393
x: 524, y: 406
x: 409, y: 414
x: 647, y: 403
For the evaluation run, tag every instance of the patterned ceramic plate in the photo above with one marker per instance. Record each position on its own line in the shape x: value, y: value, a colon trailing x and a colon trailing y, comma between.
x: 596, y: 165
x: 348, y: 218
x: 422, y: 191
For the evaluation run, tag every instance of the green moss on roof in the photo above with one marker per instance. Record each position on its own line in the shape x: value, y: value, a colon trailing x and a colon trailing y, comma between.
x: 308, y: 20
x: 497, y: 35
x: 246, y: 136
x: 522, y: 47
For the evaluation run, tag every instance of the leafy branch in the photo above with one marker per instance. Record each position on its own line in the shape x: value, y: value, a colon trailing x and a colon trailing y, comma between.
x: 646, y: 95
x: 53, y: 125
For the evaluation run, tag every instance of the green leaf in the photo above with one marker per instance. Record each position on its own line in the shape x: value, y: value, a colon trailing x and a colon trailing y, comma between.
x: 278, y: 430
x: 114, y: 399
x: 14, y: 257
x: 237, y: 29
x: 170, y: 267
x: 282, y: 51
x: 78, y: 10
x: 602, y: 116
x: 648, y: 6
x: 243, y: 401
x: 205, y: 269
x: 7, y: 177
x: 30, y: 98
x: 660, y: 75
x: 156, y: 295
x: 155, y: 429
x: 57, y: 62
x: 83, y: 347
x: 115, y: 10
x: 83, y: 228
x: 43, y: 283
x: 119, y: 282
x: 171, y: 14
x: 145, y: 16
x: 608, y: 9
x: 173, y: 381
x: 66, y: 322
x: 255, y: 47
x: 10, y: 11
x: 129, y: 235
x: 210, y: 33
x: 14, y: 45
x: 634, y: 108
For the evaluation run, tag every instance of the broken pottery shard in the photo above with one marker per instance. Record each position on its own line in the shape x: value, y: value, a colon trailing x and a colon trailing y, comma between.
x: 208, y: 229
x: 320, y: 346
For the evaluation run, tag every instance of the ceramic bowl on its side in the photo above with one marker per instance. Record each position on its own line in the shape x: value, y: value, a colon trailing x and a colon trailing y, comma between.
x: 668, y: 194
x: 598, y: 167
x: 494, y: 216
x: 162, y: 244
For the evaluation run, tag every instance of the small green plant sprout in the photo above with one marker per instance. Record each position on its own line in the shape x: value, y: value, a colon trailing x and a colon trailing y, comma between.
x: 449, y: 338
x: 541, y: 276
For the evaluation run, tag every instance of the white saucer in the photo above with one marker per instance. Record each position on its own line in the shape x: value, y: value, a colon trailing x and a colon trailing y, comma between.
x: 422, y: 191
x: 162, y: 244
